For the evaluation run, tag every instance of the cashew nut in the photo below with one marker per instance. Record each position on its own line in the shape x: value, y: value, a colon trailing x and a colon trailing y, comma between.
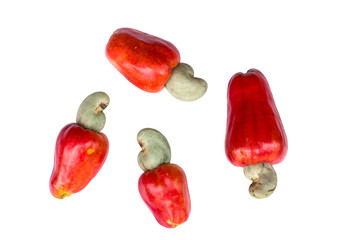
x: 264, y: 179
x: 155, y: 149
x: 183, y: 85
x: 90, y: 115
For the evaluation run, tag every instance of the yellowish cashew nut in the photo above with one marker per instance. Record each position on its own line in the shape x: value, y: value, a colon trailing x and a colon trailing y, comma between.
x: 264, y: 179
x: 155, y: 149
x: 183, y: 85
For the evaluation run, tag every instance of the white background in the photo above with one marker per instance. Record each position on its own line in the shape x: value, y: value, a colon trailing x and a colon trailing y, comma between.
x: 52, y: 57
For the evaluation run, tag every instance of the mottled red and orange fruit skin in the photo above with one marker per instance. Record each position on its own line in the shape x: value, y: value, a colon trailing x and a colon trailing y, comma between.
x: 145, y: 60
x: 255, y: 132
x: 165, y: 192
x: 79, y: 155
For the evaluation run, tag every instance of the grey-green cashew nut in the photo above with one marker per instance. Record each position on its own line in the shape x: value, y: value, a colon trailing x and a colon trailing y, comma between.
x: 264, y: 179
x: 90, y: 113
x: 183, y: 85
x: 155, y: 149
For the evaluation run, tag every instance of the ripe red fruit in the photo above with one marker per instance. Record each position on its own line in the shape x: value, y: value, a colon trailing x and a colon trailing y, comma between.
x: 165, y: 192
x: 79, y: 155
x: 145, y: 60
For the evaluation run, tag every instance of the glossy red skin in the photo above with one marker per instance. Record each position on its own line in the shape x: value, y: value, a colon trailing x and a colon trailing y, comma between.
x: 165, y: 192
x: 79, y: 155
x: 254, y: 132
x: 145, y: 60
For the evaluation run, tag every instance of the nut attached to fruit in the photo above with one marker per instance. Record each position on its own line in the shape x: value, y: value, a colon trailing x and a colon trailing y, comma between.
x: 264, y: 179
x: 155, y: 149
x: 90, y: 113
x: 183, y: 85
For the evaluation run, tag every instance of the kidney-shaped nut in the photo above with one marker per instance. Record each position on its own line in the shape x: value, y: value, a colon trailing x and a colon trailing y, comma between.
x: 155, y: 149
x: 264, y: 179
x: 90, y: 113
x: 183, y: 85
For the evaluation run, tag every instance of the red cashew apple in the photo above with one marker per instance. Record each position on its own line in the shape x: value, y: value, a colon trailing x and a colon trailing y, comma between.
x: 81, y: 149
x: 255, y: 136
x: 150, y: 63
x: 163, y: 186
x: 171, y: 205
